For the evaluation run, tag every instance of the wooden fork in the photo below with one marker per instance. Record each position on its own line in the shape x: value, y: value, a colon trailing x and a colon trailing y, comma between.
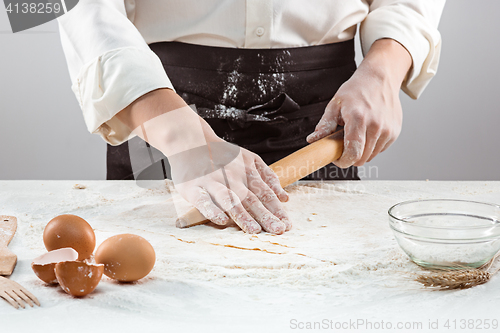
x: 11, y: 291
x: 16, y: 294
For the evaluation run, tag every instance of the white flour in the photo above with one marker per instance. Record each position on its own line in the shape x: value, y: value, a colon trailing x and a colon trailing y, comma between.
x: 339, y: 259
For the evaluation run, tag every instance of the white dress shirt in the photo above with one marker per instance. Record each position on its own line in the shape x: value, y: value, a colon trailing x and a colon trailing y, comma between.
x: 111, y: 65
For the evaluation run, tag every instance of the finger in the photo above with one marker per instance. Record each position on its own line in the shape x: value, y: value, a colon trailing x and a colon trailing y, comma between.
x: 354, y: 141
x: 204, y: 203
x: 388, y: 144
x: 269, y: 200
x: 380, y: 147
x: 392, y: 135
x: 265, y: 218
x: 387, y: 138
x: 244, y: 220
x: 229, y: 202
x: 372, y: 140
x: 271, y: 179
x: 328, y: 122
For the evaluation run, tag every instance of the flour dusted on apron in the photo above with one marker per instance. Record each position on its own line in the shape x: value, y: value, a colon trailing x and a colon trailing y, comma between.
x: 264, y: 100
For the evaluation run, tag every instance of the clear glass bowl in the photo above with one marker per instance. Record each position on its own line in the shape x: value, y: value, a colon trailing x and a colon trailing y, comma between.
x: 447, y: 233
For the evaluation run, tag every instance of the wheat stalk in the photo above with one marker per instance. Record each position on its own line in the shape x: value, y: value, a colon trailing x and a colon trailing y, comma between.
x: 462, y: 278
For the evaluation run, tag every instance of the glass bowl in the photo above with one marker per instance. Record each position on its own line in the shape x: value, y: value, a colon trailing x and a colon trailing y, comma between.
x: 447, y: 233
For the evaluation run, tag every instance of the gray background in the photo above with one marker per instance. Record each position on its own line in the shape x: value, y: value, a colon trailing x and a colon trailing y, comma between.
x: 450, y: 133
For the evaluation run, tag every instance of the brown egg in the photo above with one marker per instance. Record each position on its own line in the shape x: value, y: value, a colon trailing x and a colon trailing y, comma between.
x: 44, y: 266
x: 78, y: 278
x: 70, y: 231
x: 126, y: 257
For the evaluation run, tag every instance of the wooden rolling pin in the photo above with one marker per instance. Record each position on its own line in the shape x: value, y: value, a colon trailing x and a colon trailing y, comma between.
x: 289, y: 169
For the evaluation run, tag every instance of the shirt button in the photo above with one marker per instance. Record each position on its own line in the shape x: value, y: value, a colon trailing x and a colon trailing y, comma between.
x: 260, y: 31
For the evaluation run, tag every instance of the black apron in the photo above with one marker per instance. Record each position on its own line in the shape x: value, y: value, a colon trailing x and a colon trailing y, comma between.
x: 264, y: 100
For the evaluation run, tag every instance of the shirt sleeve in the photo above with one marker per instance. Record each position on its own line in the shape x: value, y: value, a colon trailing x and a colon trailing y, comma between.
x: 110, y: 64
x: 412, y: 23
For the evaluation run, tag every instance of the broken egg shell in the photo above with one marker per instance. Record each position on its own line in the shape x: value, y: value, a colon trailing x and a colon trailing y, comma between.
x: 70, y: 231
x: 78, y: 278
x: 44, y: 265
x: 126, y: 257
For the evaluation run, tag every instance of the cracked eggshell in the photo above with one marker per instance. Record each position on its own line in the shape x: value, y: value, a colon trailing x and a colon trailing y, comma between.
x: 126, y: 257
x: 70, y: 231
x: 44, y: 265
x: 78, y: 278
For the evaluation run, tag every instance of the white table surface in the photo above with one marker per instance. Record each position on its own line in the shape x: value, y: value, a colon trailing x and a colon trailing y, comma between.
x: 340, y: 263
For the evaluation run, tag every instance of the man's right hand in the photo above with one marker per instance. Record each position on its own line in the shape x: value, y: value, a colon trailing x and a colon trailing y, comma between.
x: 223, y: 181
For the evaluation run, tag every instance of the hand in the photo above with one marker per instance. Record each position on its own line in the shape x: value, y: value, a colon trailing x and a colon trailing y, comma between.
x: 224, y: 182
x: 221, y: 180
x: 368, y: 105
